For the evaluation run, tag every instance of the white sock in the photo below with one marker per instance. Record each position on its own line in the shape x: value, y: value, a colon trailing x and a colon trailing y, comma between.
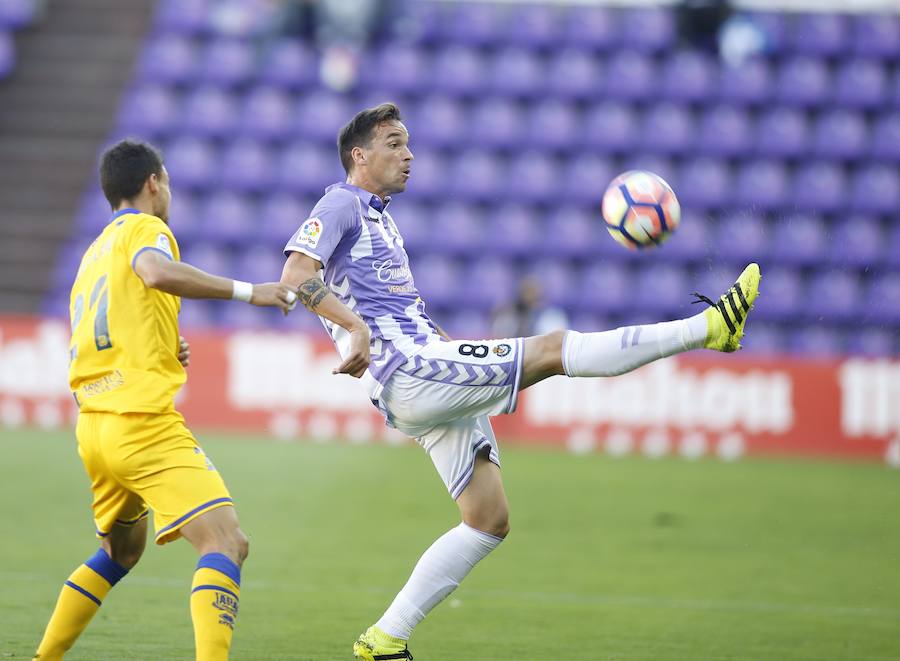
x: 438, y: 572
x: 615, y: 352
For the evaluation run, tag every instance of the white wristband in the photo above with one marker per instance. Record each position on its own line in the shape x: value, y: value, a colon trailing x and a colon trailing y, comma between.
x: 243, y: 291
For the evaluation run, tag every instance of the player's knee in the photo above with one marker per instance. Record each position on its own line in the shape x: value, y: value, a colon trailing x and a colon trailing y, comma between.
x: 125, y: 552
x: 495, y: 523
x: 241, y: 546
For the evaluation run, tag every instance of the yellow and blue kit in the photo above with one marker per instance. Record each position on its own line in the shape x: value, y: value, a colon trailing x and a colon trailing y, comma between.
x: 124, y: 373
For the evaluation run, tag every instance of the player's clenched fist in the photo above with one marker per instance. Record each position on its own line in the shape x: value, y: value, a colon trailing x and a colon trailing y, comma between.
x: 357, y: 359
x: 274, y: 294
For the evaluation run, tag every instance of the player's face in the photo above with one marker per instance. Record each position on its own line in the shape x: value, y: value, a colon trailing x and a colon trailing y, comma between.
x: 163, y: 197
x: 389, y: 158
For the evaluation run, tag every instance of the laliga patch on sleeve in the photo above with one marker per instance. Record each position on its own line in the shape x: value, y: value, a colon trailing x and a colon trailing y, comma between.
x: 309, y: 233
x: 162, y: 243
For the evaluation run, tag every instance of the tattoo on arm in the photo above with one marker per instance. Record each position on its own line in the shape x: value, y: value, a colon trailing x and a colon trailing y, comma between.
x: 311, y: 293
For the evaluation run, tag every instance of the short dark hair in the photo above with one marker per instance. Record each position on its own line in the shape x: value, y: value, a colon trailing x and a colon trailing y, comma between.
x: 125, y: 167
x: 359, y: 130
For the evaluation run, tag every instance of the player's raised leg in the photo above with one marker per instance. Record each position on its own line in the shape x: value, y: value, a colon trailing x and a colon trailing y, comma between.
x: 485, y: 523
x: 216, y: 588
x: 609, y: 353
x: 87, y: 587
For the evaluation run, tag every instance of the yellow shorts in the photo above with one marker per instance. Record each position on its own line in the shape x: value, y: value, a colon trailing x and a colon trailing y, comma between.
x: 136, y: 460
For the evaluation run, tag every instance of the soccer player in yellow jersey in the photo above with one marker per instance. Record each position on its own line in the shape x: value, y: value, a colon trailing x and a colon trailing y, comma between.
x: 127, y: 363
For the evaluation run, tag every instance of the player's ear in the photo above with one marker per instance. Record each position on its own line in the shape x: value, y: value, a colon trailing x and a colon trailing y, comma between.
x: 358, y: 156
x: 152, y: 184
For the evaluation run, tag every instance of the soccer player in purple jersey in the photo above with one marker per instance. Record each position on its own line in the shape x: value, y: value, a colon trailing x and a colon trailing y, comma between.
x: 437, y: 390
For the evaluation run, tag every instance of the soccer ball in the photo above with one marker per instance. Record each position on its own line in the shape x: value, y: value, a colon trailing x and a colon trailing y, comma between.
x: 640, y: 209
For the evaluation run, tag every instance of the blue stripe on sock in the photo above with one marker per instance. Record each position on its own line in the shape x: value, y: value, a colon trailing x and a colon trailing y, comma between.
x: 222, y: 564
x: 80, y: 589
x: 215, y: 587
x: 108, y: 568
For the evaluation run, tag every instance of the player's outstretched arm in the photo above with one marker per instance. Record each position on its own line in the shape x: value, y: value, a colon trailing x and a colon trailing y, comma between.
x: 180, y: 279
x: 301, y: 273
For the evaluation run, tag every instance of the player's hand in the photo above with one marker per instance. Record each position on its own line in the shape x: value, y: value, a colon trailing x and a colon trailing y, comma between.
x: 274, y: 294
x: 184, y: 352
x: 357, y: 360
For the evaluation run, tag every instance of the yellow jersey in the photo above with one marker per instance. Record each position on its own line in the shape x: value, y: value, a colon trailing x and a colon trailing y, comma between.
x: 124, y: 350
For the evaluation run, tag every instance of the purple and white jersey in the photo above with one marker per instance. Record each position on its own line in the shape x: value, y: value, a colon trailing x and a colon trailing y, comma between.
x: 352, y: 234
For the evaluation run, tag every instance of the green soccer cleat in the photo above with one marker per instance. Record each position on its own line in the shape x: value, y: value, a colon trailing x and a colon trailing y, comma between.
x: 376, y: 645
x: 725, y: 318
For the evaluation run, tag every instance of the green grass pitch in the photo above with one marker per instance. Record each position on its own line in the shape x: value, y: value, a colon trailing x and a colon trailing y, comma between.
x: 612, y: 559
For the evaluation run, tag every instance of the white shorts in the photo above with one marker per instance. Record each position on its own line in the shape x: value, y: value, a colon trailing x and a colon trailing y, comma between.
x: 443, y: 398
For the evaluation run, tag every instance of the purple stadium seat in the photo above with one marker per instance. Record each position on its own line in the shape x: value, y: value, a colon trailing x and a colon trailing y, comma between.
x: 818, y: 186
x: 497, y: 123
x: 704, y: 183
x: 266, y: 113
x: 244, y: 317
x: 688, y: 76
x: 783, y: 300
x: 516, y: 72
x: 652, y: 162
x: 168, y: 59
x: 227, y: 62
x: 413, y: 219
x: 437, y: 278
x: 533, y: 176
x: 877, y: 35
x: 93, y: 213
x: 476, y: 24
x: 840, y: 295
x: 661, y: 289
x: 742, y: 236
x: 762, y: 184
x: 840, y: 133
x: 724, y: 131
x: 228, y: 217
x: 280, y: 215
x: 610, y: 127
x: 861, y: 83
x: 429, y: 176
x: 876, y: 189
x: 438, y: 121
x: 667, y: 128
x: 259, y: 263
x: 571, y: 232
x: 574, y: 75
x: 763, y: 338
x: 182, y: 16
x: 553, y: 124
x: 560, y: 282
x: 319, y: 115
x: 475, y: 175
x: 307, y: 169
x: 584, y: 179
x: 210, y: 257
x: 192, y: 163
x: 607, y: 287
x: 248, y: 166
x: 289, y: 63
x: 874, y: 341
x: 781, y: 132
x: 536, y: 26
x: 775, y: 28
x: 799, y: 239
x: 630, y: 76
x: 693, y: 239
x: 396, y: 68
x: 882, y: 301
x: 498, y: 282
x: 513, y: 230
x: 749, y: 83
x: 151, y: 110
x: 803, y: 81
x: 16, y: 14
x: 886, y: 136
x: 456, y: 227
x: 815, y: 340
x: 210, y: 112
x: 648, y: 29
x: 591, y: 28
x: 857, y: 241
x: 198, y: 313
x: 459, y: 70
x: 185, y: 216
x: 819, y: 33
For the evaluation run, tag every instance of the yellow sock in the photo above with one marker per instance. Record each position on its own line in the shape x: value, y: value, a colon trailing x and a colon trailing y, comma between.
x: 79, y: 599
x: 215, y: 593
